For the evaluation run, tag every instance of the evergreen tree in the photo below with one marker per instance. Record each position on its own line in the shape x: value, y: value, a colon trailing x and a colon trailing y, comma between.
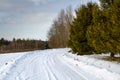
x: 105, y: 4
x: 78, y: 40
x: 104, y: 34
x: 97, y: 33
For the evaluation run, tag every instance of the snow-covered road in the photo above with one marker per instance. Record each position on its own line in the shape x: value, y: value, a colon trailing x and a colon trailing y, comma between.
x: 51, y: 65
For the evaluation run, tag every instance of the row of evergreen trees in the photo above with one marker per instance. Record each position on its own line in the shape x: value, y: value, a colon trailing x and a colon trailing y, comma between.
x: 21, y: 45
x: 96, y: 28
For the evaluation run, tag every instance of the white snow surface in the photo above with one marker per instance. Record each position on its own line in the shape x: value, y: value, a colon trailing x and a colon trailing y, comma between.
x: 55, y: 64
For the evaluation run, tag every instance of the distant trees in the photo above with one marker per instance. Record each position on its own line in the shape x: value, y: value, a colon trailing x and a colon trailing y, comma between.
x: 96, y: 28
x: 4, y: 42
x: 59, y: 32
x: 21, y: 45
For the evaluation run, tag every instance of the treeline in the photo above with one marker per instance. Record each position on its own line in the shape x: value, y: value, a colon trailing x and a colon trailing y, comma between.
x: 17, y: 45
x: 94, y: 29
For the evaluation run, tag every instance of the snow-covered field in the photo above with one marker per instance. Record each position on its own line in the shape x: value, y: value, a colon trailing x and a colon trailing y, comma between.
x: 55, y: 64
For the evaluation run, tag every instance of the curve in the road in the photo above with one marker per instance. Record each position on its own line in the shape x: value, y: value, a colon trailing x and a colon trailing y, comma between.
x: 43, y: 65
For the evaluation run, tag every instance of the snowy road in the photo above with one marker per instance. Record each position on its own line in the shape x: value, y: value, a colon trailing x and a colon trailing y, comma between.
x: 51, y: 65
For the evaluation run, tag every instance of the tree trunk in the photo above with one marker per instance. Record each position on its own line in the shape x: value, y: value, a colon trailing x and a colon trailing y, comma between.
x: 112, y: 54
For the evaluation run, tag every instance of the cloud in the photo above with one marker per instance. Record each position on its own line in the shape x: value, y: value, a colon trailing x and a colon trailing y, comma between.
x: 40, y: 1
x: 37, y: 18
x: 6, y: 20
x: 14, y: 10
x: 20, y: 11
x: 23, y: 11
x: 16, y: 6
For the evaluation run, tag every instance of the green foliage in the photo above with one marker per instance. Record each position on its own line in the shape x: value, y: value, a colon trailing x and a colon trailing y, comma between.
x: 105, y: 4
x: 4, y: 42
x: 96, y: 28
x: 78, y: 40
x: 104, y: 34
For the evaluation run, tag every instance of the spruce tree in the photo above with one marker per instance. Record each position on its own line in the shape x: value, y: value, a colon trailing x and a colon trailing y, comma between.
x: 78, y: 40
x: 104, y: 34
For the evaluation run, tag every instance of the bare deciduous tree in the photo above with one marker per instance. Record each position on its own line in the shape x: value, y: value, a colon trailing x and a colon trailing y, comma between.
x: 59, y: 33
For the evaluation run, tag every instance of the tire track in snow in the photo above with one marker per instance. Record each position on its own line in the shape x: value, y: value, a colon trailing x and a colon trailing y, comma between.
x: 50, y: 73
x: 44, y: 65
x: 49, y: 61
x: 18, y: 77
x: 53, y: 64
x: 10, y: 67
x: 60, y: 57
x: 97, y: 72
x: 57, y: 73
x: 72, y: 68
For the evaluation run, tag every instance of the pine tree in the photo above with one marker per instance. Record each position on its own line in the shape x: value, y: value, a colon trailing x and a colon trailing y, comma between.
x: 78, y: 40
x: 104, y: 34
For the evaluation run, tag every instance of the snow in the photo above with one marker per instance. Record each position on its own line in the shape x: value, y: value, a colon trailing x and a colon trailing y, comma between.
x: 55, y: 64
x: 95, y: 60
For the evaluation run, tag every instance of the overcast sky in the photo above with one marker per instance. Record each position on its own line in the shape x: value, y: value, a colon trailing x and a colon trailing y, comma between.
x: 31, y: 18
